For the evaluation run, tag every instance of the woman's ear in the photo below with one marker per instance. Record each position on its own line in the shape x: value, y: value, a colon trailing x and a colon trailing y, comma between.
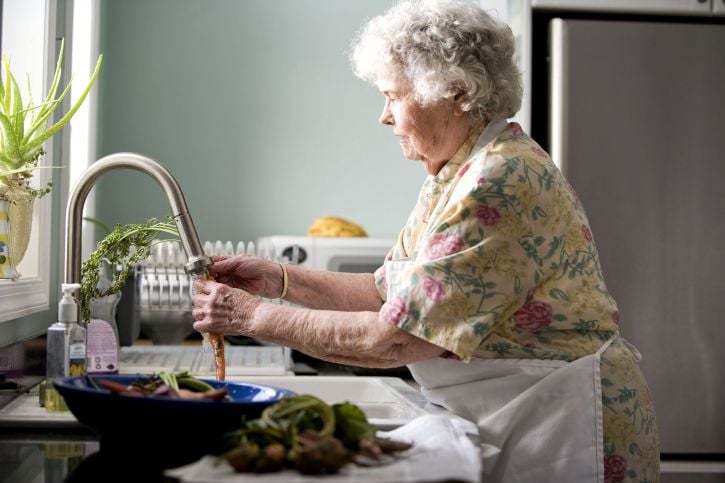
x: 458, y: 103
x: 460, y: 97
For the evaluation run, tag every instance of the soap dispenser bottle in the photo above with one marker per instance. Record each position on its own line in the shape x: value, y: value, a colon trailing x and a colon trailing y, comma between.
x: 66, y: 347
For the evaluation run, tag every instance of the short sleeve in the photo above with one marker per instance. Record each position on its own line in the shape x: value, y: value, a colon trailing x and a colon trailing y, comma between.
x: 471, y: 269
x: 380, y: 279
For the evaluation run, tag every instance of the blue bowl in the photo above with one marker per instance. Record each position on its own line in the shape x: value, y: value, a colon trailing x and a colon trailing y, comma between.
x: 158, y: 430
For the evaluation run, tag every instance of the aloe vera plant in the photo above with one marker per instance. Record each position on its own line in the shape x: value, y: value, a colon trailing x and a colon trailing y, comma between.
x: 24, y: 126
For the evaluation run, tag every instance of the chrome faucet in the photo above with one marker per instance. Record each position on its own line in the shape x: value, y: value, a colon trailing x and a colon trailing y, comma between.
x: 198, y: 261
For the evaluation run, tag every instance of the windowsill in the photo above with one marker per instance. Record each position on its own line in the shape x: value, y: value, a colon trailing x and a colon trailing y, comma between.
x: 23, y: 297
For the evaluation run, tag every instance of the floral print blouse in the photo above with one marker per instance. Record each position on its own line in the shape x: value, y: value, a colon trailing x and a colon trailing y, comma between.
x: 499, y: 259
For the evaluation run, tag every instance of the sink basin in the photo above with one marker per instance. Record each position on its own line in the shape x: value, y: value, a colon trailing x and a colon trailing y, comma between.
x: 388, y: 402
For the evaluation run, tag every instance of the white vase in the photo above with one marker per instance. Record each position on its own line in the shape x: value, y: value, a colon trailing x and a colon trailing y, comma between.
x: 20, y: 215
x: 7, y: 267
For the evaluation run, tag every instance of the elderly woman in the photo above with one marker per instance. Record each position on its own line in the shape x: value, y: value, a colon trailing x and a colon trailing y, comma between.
x: 493, y: 294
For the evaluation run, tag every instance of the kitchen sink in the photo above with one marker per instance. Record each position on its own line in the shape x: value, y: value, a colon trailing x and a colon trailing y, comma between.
x: 388, y: 402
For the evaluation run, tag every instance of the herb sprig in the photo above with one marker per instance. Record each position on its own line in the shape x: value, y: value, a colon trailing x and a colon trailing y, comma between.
x: 117, y: 248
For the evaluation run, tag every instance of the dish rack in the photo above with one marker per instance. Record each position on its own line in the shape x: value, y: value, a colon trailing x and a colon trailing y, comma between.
x: 164, y: 292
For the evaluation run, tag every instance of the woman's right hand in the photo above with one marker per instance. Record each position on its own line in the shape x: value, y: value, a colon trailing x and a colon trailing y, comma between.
x: 254, y: 275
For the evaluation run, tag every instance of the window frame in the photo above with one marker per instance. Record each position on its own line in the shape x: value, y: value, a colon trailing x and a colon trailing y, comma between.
x: 31, y: 294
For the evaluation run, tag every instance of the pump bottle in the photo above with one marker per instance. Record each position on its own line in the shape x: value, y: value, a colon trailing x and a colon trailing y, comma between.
x: 66, y: 347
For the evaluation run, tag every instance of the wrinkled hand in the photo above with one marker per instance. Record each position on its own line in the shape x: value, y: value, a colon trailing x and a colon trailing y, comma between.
x: 251, y: 274
x: 221, y: 309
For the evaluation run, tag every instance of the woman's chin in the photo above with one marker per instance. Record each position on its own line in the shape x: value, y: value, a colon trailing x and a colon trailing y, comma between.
x: 410, y: 153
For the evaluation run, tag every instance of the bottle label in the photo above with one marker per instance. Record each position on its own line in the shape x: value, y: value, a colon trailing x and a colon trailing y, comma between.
x: 77, y: 359
x: 102, y: 347
x: 77, y: 351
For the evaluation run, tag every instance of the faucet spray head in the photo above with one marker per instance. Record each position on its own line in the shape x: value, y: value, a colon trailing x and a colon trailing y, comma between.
x: 198, y: 265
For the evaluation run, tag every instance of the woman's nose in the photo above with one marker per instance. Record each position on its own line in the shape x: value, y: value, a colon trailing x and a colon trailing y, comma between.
x: 386, y: 117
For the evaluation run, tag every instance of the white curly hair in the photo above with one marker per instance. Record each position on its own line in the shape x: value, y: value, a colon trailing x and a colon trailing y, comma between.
x: 443, y: 48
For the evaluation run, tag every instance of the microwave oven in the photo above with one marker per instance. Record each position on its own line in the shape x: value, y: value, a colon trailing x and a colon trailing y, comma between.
x: 337, y: 254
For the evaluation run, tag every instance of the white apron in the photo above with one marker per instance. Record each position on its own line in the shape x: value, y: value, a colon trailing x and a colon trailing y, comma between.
x: 538, y: 420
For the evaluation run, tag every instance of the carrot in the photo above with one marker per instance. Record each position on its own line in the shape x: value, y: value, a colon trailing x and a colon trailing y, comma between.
x: 119, y: 388
x: 217, y: 346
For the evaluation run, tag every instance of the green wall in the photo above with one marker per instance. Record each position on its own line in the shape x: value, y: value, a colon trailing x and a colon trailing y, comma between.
x: 253, y: 107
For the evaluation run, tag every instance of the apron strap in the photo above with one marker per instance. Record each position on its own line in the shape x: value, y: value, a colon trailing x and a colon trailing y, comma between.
x: 605, y: 346
x: 637, y: 355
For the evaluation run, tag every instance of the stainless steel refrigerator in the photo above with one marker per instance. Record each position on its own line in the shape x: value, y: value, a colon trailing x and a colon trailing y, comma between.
x: 633, y: 106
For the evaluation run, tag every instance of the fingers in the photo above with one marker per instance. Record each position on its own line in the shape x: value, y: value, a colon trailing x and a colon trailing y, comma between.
x: 211, y: 295
x: 203, y: 322
x: 213, y: 305
x: 198, y: 313
x: 222, y: 264
x: 205, y: 286
x: 222, y: 309
x: 202, y: 312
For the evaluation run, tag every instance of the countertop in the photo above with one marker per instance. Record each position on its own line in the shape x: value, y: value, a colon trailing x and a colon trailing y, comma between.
x: 59, y: 447
x: 53, y: 447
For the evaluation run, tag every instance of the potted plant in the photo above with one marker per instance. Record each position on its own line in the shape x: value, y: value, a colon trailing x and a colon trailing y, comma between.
x: 24, y: 127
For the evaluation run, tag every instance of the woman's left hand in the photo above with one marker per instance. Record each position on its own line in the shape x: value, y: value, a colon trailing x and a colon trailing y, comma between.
x: 221, y: 309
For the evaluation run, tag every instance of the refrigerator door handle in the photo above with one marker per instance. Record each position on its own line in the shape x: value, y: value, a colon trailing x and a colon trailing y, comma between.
x: 559, y: 93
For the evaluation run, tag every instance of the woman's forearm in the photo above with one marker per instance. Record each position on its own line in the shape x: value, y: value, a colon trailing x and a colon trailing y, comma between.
x: 316, y: 289
x: 354, y: 338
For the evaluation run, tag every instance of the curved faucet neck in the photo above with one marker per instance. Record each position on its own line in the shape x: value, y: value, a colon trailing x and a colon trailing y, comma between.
x: 198, y: 261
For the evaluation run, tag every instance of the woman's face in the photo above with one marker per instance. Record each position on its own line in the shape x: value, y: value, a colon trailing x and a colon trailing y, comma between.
x: 430, y: 134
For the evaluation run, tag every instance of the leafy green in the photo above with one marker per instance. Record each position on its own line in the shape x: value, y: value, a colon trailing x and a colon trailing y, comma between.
x: 305, y: 413
x: 351, y: 425
x: 305, y: 433
x: 149, y: 384
x: 169, y: 379
x: 118, y: 249
x: 99, y: 223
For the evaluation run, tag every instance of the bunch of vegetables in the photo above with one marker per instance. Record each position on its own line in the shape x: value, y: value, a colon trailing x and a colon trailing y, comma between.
x: 123, y: 247
x: 173, y: 386
x: 305, y: 433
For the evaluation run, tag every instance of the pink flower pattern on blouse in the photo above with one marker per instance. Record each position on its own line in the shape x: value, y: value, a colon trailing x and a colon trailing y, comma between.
x: 394, y: 311
x: 488, y: 215
x: 533, y: 316
x: 586, y: 233
x: 615, y: 468
x: 539, y: 152
x: 434, y: 290
x: 443, y: 244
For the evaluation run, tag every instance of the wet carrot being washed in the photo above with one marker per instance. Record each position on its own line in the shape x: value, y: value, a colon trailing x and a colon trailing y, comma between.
x: 216, y: 342
x: 217, y: 346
